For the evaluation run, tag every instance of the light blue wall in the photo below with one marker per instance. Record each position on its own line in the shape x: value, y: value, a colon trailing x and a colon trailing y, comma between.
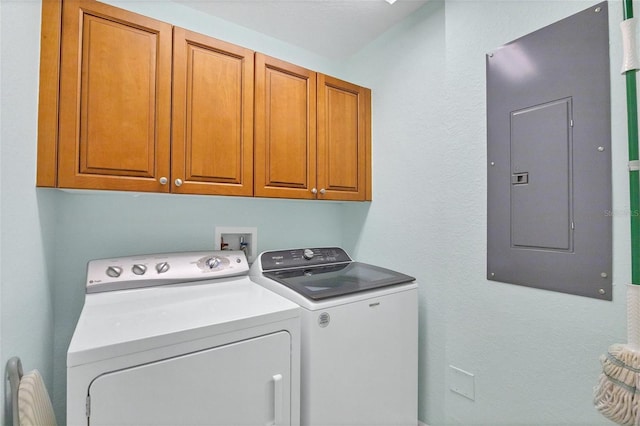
x: 26, y: 311
x: 534, y: 353
x: 405, y: 227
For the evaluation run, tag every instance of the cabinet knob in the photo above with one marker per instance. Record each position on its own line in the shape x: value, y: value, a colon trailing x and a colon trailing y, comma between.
x: 178, y: 182
x: 323, y: 191
x: 163, y: 180
x: 314, y: 191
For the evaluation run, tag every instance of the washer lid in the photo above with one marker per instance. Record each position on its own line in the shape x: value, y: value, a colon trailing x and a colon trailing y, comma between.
x: 323, y: 282
x: 122, y: 322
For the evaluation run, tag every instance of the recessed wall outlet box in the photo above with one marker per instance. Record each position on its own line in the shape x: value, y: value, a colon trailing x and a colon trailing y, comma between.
x: 237, y: 238
x: 462, y: 382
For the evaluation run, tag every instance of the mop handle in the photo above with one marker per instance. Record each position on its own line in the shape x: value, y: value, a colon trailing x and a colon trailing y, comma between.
x: 634, y: 174
x: 629, y: 69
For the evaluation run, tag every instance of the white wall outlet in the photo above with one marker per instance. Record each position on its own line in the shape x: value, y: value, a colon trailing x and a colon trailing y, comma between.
x: 235, y: 238
x: 462, y: 382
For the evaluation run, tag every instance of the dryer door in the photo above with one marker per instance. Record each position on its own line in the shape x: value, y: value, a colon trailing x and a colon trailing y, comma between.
x: 244, y: 383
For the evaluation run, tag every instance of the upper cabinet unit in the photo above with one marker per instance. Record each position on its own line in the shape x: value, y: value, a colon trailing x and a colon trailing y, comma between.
x: 135, y: 104
x: 115, y: 99
x: 312, y: 134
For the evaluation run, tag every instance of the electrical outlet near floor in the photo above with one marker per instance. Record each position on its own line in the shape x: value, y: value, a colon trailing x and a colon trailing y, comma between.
x: 462, y: 382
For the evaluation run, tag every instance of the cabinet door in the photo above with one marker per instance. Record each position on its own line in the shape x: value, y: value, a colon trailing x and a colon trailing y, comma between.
x: 115, y: 97
x: 212, y: 146
x: 343, y: 118
x: 285, y: 126
x: 244, y: 383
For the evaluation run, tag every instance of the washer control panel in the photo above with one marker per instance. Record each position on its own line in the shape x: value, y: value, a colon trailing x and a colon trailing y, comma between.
x: 122, y: 273
x: 295, y: 258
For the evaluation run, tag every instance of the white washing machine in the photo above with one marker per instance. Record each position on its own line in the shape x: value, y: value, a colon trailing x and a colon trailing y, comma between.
x: 183, y: 339
x: 359, y: 336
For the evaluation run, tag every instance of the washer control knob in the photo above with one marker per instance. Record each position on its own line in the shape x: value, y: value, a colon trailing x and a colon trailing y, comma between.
x: 162, y: 267
x: 308, y: 254
x: 114, y: 271
x: 212, y: 262
x: 139, y: 269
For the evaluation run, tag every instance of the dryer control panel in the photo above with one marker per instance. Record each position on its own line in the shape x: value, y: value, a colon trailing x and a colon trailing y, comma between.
x: 122, y: 273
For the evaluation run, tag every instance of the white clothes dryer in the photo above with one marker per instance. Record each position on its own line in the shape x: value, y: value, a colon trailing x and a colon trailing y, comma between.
x: 359, y: 364
x: 183, y: 339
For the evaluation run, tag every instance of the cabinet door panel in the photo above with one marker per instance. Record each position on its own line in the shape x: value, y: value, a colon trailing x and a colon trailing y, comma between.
x: 115, y: 97
x: 342, y: 115
x: 124, y: 117
x: 212, y: 116
x: 285, y: 129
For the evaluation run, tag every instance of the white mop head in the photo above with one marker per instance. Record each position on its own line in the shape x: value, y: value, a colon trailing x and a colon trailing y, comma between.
x: 617, y: 395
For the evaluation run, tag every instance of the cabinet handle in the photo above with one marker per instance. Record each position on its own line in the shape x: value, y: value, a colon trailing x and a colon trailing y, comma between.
x: 163, y: 180
x: 323, y: 191
x: 314, y: 191
x: 178, y: 182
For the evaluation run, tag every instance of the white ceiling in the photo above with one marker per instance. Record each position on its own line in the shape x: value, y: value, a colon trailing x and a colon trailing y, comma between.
x: 335, y: 29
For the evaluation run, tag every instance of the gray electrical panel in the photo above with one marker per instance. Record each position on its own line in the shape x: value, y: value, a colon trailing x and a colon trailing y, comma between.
x: 549, y: 158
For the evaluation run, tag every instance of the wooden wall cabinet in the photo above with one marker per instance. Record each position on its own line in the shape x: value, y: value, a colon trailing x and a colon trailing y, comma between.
x: 131, y: 103
x: 312, y: 134
x: 126, y: 123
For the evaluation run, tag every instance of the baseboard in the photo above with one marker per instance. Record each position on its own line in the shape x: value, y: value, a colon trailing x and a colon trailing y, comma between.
x: 422, y: 424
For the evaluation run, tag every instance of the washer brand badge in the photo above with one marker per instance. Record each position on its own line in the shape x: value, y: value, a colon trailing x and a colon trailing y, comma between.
x: 324, y: 319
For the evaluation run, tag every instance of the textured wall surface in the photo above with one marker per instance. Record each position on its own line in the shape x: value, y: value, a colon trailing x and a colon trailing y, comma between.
x: 404, y: 228
x: 517, y: 341
x: 534, y: 353
x: 26, y: 312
